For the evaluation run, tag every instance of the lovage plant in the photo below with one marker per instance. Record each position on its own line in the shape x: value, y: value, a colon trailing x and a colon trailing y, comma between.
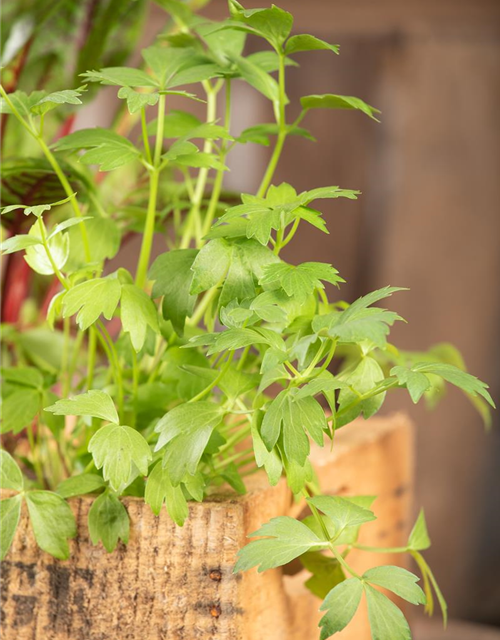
x: 214, y: 360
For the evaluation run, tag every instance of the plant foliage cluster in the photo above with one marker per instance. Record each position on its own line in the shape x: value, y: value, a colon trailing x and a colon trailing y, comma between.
x: 214, y: 360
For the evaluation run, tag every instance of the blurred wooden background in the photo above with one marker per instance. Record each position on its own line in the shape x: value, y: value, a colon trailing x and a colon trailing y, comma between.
x: 428, y: 219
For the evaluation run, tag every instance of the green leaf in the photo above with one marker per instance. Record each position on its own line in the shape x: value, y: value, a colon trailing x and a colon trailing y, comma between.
x: 106, y: 148
x: 260, y: 134
x: 80, y: 485
x: 299, y: 281
x: 291, y: 418
x: 172, y: 274
x: 67, y: 224
x: 416, y: 383
x: 121, y: 77
x: 119, y: 451
x: 18, y: 243
x: 23, y: 376
x: 398, y: 580
x: 270, y: 460
x: 461, y: 379
x: 10, y: 513
x: 108, y: 521
x: 92, y: 298
x: 257, y: 78
x: 52, y: 521
x: 273, y: 24
x: 358, y: 322
x: 386, y: 619
x: 10, y: 473
x: 104, y: 239
x: 36, y: 255
x: 305, y: 42
x: 331, y: 101
x: 186, y: 430
x: 340, y: 605
x: 210, y: 265
x: 136, y: 100
x: 97, y: 404
x: 138, y: 312
x: 159, y: 489
x: 22, y: 102
x: 326, y: 572
x: 365, y: 377
x: 343, y: 512
x: 53, y: 100
x: 36, y: 210
x: 419, y: 538
x: 19, y: 409
x: 290, y: 539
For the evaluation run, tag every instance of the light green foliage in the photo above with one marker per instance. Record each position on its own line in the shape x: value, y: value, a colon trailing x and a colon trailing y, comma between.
x: 216, y: 358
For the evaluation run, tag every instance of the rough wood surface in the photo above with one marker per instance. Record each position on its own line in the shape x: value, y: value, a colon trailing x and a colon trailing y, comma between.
x: 177, y: 584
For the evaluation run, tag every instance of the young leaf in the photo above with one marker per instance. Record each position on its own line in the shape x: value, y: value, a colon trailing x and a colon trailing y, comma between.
x: 290, y: 539
x: 138, y: 312
x: 10, y: 512
x: 105, y: 148
x: 343, y: 512
x: 172, y: 274
x: 18, y: 243
x: 386, y: 619
x: 19, y: 409
x: 80, y: 485
x: 340, y: 605
x: 119, y: 450
x: 365, y: 377
x: 97, y: 404
x: 299, y: 281
x: 10, y: 473
x: 398, y: 580
x: 53, y: 100
x: 416, y: 383
x: 273, y: 24
x: 419, y: 538
x: 136, y: 100
x: 305, y: 42
x: 186, y: 430
x: 331, y: 101
x: 92, y: 298
x: 36, y: 255
x: 52, y: 521
x: 159, y: 489
x: 108, y: 521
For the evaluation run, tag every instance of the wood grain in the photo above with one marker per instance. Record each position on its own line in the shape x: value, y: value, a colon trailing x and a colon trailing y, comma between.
x: 177, y: 583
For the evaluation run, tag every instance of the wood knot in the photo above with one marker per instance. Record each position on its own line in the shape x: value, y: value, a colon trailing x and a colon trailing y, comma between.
x: 215, y: 611
x: 215, y: 574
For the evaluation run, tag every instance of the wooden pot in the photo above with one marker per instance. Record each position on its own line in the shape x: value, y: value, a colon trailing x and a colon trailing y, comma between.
x: 172, y: 583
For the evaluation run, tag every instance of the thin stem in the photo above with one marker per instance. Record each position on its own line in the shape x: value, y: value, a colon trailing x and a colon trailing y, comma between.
x: 381, y: 388
x: 215, y: 381
x: 91, y: 355
x: 154, y: 174
x: 65, y: 357
x: 145, y: 137
x: 363, y: 547
x: 202, y: 306
x: 109, y: 347
x: 34, y: 454
x: 55, y: 268
x: 234, y: 439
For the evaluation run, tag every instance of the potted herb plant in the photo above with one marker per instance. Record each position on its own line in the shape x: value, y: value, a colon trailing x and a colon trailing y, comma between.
x: 151, y: 387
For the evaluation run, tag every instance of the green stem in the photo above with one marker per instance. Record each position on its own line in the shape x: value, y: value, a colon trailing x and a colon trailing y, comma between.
x: 154, y: 175
x: 34, y: 454
x: 384, y: 386
x: 65, y: 357
x: 43, y: 238
x: 145, y: 137
x: 91, y: 353
x: 363, y: 547
x: 234, y: 439
x: 109, y: 347
x: 202, y: 306
x: 239, y: 454
x: 215, y: 381
x: 219, y: 179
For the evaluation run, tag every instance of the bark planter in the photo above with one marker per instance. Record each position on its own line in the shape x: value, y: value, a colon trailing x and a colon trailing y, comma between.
x: 177, y: 583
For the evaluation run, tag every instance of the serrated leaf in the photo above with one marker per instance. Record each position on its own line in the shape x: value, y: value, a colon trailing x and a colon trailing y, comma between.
x: 326, y: 572
x: 386, y: 619
x: 398, y: 580
x: 365, y: 377
x: 10, y: 513
x: 10, y: 473
x: 108, y: 521
x: 118, y: 451
x: 172, y: 274
x: 340, y: 604
x: 332, y: 101
x: 19, y: 409
x: 159, y: 490
x: 137, y: 100
x: 92, y: 298
x: 138, y: 312
x: 290, y: 539
x: 270, y: 460
x: 416, y: 383
x: 305, y: 42
x: 185, y: 430
x: 53, y: 100
x: 105, y: 148
x: 299, y: 281
x: 273, y: 24
x: 210, y: 265
x: 52, y: 521
x: 121, y: 77
x: 95, y: 403
x: 343, y: 512
x: 80, y: 485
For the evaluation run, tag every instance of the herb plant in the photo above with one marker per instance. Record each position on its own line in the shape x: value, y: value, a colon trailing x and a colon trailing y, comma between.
x: 214, y: 360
